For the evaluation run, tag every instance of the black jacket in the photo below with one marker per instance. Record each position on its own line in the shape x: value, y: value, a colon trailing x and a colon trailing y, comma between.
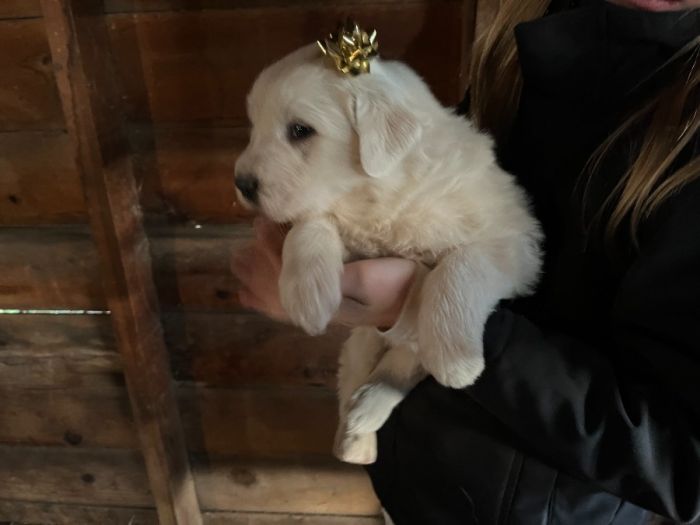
x: 597, y: 375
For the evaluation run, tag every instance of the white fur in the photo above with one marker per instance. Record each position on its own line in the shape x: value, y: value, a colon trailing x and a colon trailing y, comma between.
x: 388, y: 172
x: 312, y: 263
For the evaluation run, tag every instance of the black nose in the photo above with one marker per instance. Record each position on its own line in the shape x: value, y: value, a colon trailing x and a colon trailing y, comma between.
x: 248, y: 185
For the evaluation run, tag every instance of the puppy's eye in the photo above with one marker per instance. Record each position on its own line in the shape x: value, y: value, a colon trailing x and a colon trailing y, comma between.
x: 297, y: 131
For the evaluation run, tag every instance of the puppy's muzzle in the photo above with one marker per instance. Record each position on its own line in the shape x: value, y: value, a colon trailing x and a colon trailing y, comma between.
x: 248, y: 186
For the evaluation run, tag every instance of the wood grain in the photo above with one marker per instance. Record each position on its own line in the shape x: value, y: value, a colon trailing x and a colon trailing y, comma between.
x: 198, y: 65
x: 74, y: 476
x: 54, y: 364
x: 33, y: 513
x: 20, y: 9
x: 70, y: 417
x: 236, y: 349
x: 117, y: 478
x: 181, y: 66
x: 324, y: 488
x: 38, y: 179
x: 247, y: 349
x: 241, y: 518
x: 49, y: 268
x: 31, y: 8
x: 185, y: 175
x: 26, y: 513
x: 58, y: 267
x: 28, y: 95
x: 184, y: 69
x: 90, y: 96
x: 244, y: 422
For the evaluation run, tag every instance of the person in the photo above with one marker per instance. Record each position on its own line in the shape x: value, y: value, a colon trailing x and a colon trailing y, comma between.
x: 588, y: 411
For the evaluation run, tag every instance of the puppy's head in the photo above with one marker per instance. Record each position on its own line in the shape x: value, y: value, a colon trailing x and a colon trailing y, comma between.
x: 317, y: 134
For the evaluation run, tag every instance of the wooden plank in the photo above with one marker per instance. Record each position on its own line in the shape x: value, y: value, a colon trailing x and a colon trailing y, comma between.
x: 38, y: 179
x: 49, y: 268
x: 208, y: 73
x: 50, y: 368
x: 58, y: 267
x: 185, y: 175
x: 58, y: 377
x: 60, y: 351
x: 70, y: 417
x: 244, y: 422
x: 246, y: 518
x: 45, y: 513
x: 235, y: 349
x: 273, y: 423
x: 87, y: 85
x: 20, y: 9
x: 117, y: 478
x: 56, y: 351
x: 295, y: 486
x: 28, y: 95
x: 78, y: 476
x: 197, y: 66
x: 118, y: 6
x: 32, y: 9
x: 26, y: 513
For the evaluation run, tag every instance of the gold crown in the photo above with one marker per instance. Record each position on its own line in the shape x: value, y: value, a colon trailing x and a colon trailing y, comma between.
x: 350, y: 48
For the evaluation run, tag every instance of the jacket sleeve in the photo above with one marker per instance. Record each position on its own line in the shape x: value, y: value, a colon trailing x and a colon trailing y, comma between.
x: 625, y: 415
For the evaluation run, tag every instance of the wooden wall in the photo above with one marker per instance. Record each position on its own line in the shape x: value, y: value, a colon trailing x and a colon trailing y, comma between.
x: 185, y: 73
x: 255, y: 397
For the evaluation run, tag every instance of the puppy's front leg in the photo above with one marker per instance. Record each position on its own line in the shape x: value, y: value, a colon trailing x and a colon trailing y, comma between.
x: 458, y: 296
x: 312, y: 264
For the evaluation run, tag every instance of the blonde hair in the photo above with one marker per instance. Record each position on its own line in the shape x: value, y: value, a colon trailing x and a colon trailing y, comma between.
x: 671, y: 118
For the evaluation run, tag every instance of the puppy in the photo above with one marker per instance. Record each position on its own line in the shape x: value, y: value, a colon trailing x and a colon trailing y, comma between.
x: 370, y: 166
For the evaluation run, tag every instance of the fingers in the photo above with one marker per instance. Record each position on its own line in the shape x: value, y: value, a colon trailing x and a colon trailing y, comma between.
x: 248, y: 300
x: 242, y: 264
x: 257, y: 268
x: 270, y: 238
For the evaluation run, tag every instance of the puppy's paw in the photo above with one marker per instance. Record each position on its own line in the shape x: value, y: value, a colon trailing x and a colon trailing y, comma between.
x: 457, y: 372
x: 311, y: 297
x: 370, y: 407
x: 358, y: 449
x: 454, y: 357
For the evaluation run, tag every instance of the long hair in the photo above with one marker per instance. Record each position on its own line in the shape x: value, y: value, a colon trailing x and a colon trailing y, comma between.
x: 670, y: 118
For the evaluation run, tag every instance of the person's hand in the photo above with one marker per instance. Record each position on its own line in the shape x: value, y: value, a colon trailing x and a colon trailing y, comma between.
x: 373, y: 289
x: 258, y: 270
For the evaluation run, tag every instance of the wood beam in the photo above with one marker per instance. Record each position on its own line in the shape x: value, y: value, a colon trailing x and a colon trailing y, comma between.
x: 91, y: 98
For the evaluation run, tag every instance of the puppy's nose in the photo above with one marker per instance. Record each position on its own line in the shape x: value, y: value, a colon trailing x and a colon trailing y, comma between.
x: 248, y: 185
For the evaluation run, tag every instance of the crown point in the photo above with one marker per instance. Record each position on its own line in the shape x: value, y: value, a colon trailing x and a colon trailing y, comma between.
x: 351, y: 48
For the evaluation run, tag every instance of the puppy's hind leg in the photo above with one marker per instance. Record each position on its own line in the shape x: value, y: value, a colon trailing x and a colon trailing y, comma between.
x: 359, y: 356
x: 458, y: 296
x: 393, y: 378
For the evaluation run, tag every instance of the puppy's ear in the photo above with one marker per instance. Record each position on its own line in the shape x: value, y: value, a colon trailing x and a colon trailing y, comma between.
x: 387, y: 131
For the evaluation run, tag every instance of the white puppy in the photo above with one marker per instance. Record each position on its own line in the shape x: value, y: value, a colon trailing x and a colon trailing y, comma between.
x: 369, y: 166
